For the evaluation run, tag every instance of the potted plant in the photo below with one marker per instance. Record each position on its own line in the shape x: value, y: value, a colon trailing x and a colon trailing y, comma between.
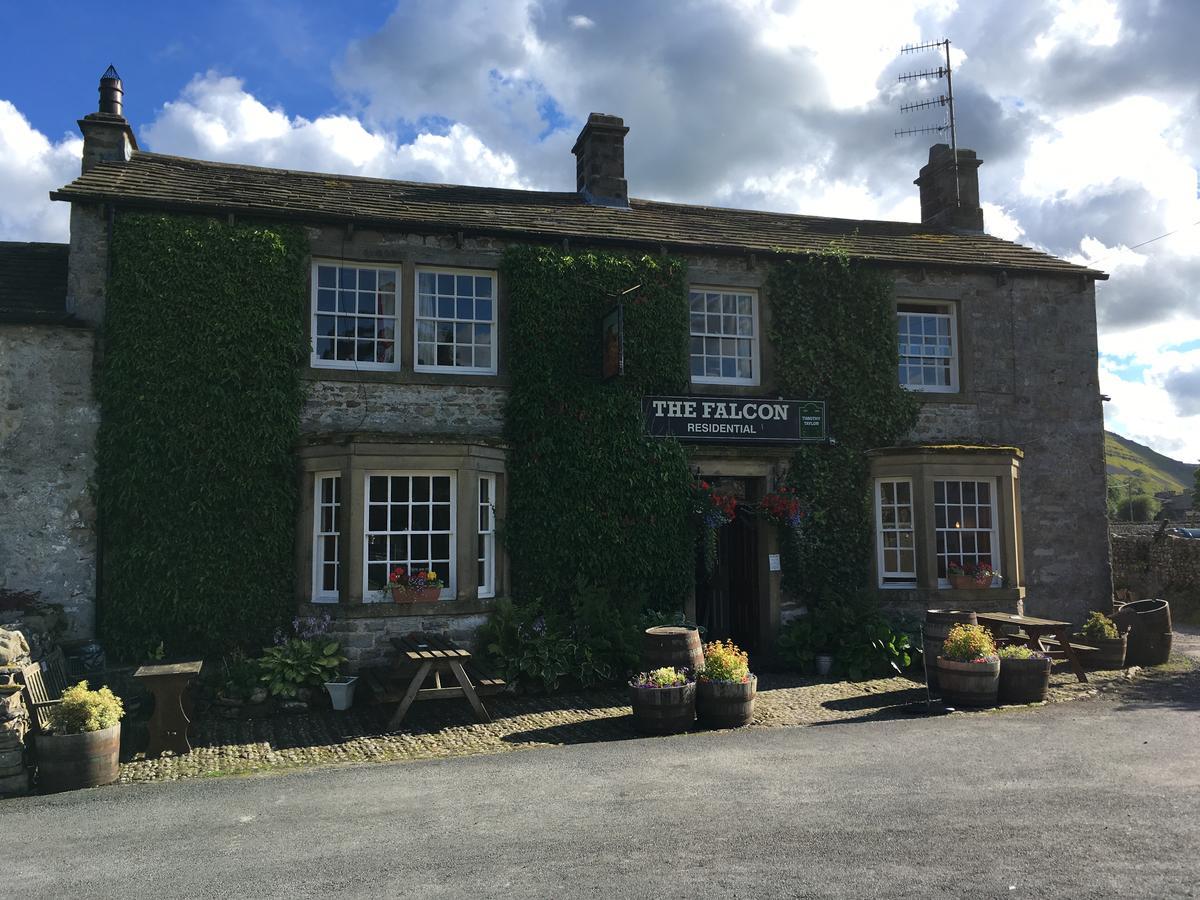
x: 414, y: 585
x: 341, y: 691
x: 969, y: 669
x: 664, y: 700
x: 300, y: 665
x: 1024, y: 675
x: 1101, y: 632
x: 712, y: 510
x: 725, y: 687
x: 959, y: 575
x: 84, y: 742
x: 983, y: 574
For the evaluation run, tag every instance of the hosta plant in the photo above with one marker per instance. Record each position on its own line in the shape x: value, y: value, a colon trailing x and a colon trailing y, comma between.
x: 662, y: 678
x: 82, y: 710
x: 299, y: 663
x: 724, y: 661
x: 969, y: 643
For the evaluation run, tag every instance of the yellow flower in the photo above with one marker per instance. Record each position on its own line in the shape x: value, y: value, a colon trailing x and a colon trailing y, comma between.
x: 431, y: 575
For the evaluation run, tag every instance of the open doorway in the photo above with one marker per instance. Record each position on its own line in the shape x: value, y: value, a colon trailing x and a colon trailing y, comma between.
x: 728, y: 602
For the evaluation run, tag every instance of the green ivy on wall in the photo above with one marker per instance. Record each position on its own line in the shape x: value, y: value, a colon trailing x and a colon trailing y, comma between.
x: 592, y: 500
x: 833, y: 329
x: 200, y: 394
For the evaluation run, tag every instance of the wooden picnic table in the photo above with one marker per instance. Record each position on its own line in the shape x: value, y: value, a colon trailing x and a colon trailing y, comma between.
x: 1033, y: 632
x: 436, y: 656
x: 168, y: 682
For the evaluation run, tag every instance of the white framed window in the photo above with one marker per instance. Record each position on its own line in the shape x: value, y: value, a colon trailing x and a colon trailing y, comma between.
x: 723, y: 342
x: 327, y: 535
x: 896, y: 550
x: 455, y: 321
x: 354, y: 323
x: 410, y: 521
x: 965, y: 525
x: 486, y: 555
x: 928, y: 342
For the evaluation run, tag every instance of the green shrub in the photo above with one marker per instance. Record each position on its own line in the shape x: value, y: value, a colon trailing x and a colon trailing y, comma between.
x: 1018, y: 651
x: 969, y: 643
x: 299, y: 663
x: 1100, y: 627
x: 84, y: 710
x: 863, y: 642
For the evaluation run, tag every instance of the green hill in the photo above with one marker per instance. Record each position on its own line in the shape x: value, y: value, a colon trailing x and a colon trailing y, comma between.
x: 1160, y: 473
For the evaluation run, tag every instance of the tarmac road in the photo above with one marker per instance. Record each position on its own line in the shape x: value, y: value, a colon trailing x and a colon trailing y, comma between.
x: 1085, y: 799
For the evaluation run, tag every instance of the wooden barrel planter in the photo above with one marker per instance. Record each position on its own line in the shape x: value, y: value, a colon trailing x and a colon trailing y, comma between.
x: 969, y: 683
x: 676, y: 646
x: 1148, y: 623
x: 1024, y: 680
x: 938, y: 623
x: 669, y: 710
x: 66, y: 762
x: 726, y: 704
x: 1109, y: 652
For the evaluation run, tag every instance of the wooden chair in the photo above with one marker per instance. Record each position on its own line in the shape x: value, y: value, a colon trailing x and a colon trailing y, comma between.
x: 39, y: 696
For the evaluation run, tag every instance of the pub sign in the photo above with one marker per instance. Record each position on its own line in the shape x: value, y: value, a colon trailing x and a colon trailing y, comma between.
x: 734, y: 420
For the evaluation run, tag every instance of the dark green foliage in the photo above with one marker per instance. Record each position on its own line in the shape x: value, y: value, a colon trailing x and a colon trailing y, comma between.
x: 833, y: 327
x: 200, y: 394
x: 864, y: 643
x: 593, y: 501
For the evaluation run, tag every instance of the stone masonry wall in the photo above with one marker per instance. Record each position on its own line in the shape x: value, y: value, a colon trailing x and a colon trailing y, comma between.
x: 48, y: 422
x: 1029, y: 379
x: 1159, y: 565
x: 340, y: 406
x: 365, y: 641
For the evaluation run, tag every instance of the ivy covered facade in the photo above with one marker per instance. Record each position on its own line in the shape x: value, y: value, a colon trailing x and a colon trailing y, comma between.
x: 308, y: 380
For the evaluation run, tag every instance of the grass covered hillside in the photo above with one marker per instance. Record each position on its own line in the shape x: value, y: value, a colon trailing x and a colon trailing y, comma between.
x: 1158, y: 473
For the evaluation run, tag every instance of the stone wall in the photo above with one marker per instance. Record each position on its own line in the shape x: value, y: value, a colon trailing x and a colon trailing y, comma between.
x: 350, y: 407
x: 1029, y: 379
x: 1159, y: 565
x: 365, y: 641
x: 48, y: 422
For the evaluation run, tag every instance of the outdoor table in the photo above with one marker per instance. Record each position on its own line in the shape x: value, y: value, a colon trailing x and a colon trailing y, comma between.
x: 168, y: 683
x: 437, y: 655
x: 1035, y: 630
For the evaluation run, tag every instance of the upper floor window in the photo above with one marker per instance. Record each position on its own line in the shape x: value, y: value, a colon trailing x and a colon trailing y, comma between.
x: 456, y: 321
x: 724, y: 336
x: 928, y: 344
x: 354, y: 317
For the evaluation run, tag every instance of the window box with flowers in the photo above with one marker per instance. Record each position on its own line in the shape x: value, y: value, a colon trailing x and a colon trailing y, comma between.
x: 414, y: 585
x: 965, y: 576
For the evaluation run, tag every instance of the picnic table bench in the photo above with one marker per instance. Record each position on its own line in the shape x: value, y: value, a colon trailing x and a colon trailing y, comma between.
x: 429, y: 657
x: 1036, y: 634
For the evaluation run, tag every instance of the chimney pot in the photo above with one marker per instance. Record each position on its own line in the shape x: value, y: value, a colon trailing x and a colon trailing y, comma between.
x: 600, y: 161
x: 941, y: 202
x: 107, y: 137
x: 111, y: 93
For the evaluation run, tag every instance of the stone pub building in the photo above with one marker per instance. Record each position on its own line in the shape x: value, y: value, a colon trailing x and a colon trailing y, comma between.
x: 407, y: 324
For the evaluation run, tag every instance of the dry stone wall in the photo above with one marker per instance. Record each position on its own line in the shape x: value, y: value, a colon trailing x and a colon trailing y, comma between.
x: 1160, y: 565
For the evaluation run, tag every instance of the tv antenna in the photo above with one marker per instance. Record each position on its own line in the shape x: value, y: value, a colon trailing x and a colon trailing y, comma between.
x: 945, y: 100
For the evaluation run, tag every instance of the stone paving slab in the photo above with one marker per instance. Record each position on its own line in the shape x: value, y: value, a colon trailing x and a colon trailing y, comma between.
x: 447, y: 729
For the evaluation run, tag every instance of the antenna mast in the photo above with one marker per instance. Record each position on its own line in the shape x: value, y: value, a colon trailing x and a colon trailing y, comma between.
x: 946, y: 100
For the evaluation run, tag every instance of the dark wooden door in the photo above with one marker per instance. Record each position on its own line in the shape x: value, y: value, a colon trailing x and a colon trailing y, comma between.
x: 727, y: 604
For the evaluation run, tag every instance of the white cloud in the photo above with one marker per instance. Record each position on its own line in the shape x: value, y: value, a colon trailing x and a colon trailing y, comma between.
x: 31, y: 165
x: 1093, y: 22
x: 216, y: 118
x: 581, y: 22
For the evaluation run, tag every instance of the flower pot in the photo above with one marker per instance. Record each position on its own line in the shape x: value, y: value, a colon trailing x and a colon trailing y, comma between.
x: 1148, y: 624
x: 1024, y: 680
x: 938, y: 623
x: 427, y: 595
x: 341, y: 691
x: 668, y: 710
x: 67, y: 762
x: 964, y: 582
x: 1109, y: 652
x: 726, y: 704
x: 823, y: 663
x: 402, y: 595
x: 969, y: 683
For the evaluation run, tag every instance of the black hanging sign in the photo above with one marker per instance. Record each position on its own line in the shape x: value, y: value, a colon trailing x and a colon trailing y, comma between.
x: 734, y: 420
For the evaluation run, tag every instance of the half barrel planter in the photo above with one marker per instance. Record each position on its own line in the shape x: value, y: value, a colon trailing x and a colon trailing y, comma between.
x: 1024, y: 680
x: 938, y: 623
x: 1148, y: 624
x: 972, y: 684
x: 1109, y: 652
x: 67, y: 762
x: 666, y: 710
x: 726, y: 704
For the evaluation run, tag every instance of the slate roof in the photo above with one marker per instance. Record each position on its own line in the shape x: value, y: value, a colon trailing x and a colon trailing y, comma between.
x: 155, y: 181
x: 33, y: 282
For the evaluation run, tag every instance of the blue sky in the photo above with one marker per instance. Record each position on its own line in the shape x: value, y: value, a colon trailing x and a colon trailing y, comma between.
x: 1085, y: 112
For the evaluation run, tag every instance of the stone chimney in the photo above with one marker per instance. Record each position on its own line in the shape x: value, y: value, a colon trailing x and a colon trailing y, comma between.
x: 106, y: 134
x: 600, y: 161
x: 940, y: 203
